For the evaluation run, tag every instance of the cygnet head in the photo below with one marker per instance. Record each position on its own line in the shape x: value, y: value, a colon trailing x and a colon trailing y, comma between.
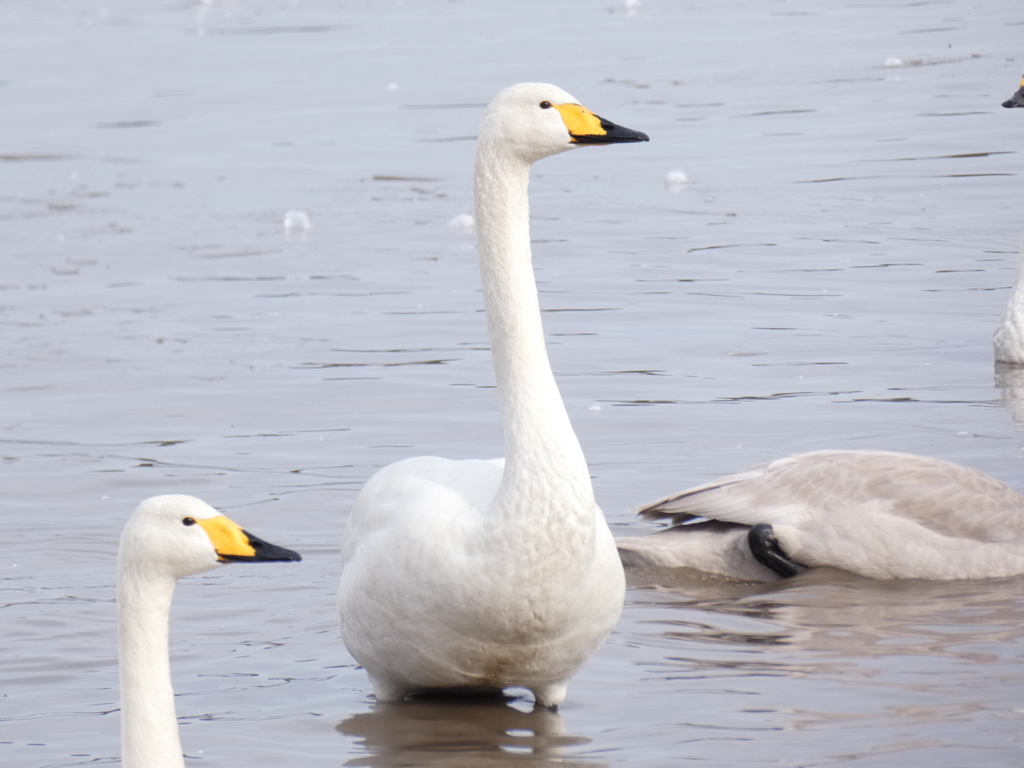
x: 176, y: 535
x: 535, y: 120
x: 1017, y: 100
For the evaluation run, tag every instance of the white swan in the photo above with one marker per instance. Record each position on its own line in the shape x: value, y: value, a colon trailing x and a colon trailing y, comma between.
x: 489, y: 574
x: 1008, y: 342
x: 166, y: 538
x: 878, y: 514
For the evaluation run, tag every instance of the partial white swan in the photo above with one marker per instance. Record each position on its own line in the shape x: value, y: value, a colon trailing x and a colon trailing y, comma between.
x: 878, y: 514
x: 490, y: 574
x: 1008, y: 342
x: 166, y: 538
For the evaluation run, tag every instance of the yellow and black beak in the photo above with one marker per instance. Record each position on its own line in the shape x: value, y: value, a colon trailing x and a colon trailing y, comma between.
x: 1017, y: 100
x: 233, y: 543
x: 587, y: 128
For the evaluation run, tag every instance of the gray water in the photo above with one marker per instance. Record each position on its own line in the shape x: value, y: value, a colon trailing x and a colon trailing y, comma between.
x: 829, y: 278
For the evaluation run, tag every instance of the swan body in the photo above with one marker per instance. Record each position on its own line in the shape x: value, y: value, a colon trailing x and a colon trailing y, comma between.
x: 166, y: 538
x: 1008, y: 342
x: 490, y: 574
x: 878, y: 514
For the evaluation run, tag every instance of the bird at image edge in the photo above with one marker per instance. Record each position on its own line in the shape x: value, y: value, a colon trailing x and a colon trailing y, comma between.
x: 502, y: 573
x: 167, y: 538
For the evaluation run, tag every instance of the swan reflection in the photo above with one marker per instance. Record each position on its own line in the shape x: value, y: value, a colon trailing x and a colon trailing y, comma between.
x: 1009, y: 380
x: 832, y: 611
x: 457, y: 731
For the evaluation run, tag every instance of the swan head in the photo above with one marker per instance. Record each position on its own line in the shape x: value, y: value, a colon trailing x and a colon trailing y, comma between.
x: 1017, y: 100
x: 176, y: 535
x: 536, y: 120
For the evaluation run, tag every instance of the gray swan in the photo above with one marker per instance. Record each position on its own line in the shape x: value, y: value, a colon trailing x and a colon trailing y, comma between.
x: 875, y: 513
x: 878, y: 514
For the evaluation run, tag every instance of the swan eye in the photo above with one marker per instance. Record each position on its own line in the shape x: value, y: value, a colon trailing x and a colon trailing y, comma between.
x: 545, y: 105
x: 188, y: 521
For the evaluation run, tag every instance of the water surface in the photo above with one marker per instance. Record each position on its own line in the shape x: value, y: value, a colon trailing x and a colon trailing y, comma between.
x: 829, y: 278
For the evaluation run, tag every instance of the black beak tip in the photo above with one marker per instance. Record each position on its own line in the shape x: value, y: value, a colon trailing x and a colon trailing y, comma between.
x: 1017, y: 100
x: 265, y: 552
x: 271, y: 553
x: 614, y: 134
x: 285, y: 555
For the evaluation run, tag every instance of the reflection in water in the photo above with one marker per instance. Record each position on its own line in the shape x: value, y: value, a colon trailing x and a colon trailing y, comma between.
x: 833, y: 611
x: 160, y: 336
x: 863, y: 669
x: 460, y: 731
x: 1009, y: 379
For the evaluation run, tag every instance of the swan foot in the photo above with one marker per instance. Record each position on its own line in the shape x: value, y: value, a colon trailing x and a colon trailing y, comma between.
x: 385, y: 689
x: 550, y: 696
x: 766, y: 550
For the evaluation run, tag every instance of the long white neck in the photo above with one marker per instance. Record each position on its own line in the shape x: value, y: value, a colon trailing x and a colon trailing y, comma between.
x: 1009, y: 339
x: 149, y: 726
x: 545, y: 470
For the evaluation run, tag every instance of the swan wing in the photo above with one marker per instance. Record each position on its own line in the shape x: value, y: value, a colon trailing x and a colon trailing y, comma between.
x: 425, y: 492
x: 949, y: 499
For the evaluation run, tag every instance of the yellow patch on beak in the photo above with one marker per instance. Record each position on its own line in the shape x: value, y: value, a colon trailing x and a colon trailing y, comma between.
x: 227, y: 536
x: 579, y: 120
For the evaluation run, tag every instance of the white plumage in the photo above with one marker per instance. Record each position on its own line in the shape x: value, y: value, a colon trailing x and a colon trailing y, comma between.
x: 1008, y: 342
x: 166, y: 538
x: 490, y: 574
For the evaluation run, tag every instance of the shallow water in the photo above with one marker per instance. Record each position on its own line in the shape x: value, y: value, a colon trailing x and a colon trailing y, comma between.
x: 829, y: 278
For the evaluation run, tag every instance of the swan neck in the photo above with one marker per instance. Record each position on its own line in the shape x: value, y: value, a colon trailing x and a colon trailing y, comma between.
x: 541, y: 449
x: 1018, y: 280
x: 1009, y: 336
x: 149, y: 725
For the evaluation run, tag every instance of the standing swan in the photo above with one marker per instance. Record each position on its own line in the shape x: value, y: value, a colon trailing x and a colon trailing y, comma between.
x: 489, y: 574
x: 166, y: 538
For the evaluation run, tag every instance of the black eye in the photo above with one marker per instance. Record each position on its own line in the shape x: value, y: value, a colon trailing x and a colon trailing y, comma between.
x: 188, y: 521
x: 545, y: 105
